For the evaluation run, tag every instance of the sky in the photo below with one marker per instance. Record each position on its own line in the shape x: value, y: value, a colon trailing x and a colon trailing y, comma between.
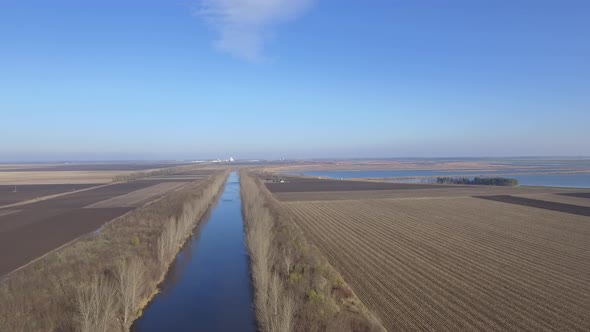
x: 197, y: 79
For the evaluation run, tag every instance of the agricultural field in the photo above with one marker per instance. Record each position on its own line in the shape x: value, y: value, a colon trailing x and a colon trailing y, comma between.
x: 36, y: 219
x: 322, y: 185
x: 310, y: 189
x: 27, y: 174
x: 189, y: 175
x: 67, y: 167
x: 541, y: 204
x: 10, y: 194
x: 561, y: 198
x: 431, y: 260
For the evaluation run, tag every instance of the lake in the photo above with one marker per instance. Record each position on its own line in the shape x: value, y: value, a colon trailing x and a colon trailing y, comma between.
x: 576, y: 180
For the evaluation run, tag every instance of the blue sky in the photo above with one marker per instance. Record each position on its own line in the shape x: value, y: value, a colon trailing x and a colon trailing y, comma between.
x: 178, y: 79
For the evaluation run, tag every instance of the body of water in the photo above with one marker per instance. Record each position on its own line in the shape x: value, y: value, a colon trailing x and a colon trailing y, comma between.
x: 576, y: 180
x: 208, y: 287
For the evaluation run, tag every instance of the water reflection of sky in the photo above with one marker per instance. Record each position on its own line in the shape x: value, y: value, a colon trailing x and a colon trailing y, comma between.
x: 580, y: 180
x: 210, y: 279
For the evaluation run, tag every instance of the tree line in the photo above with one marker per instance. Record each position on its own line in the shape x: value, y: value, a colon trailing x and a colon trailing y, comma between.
x: 102, y: 281
x: 478, y: 181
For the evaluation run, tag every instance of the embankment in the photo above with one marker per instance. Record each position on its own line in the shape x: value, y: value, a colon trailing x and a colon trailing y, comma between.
x: 101, y: 281
x: 296, y: 288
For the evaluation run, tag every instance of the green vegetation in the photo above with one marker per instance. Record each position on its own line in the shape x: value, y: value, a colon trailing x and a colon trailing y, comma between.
x: 478, y: 181
x: 102, y: 281
x: 316, y: 297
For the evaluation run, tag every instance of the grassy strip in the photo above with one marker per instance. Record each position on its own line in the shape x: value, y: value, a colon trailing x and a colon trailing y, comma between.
x: 296, y: 289
x: 103, y: 280
x: 157, y: 172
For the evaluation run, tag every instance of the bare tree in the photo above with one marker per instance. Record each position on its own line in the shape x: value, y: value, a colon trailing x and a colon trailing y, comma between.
x: 97, y: 307
x: 288, y: 259
x: 131, y: 284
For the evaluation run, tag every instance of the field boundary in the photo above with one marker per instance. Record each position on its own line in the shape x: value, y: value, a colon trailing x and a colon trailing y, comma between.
x: 540, y: 204
x: 296, y: 287
x: 579, y: 195
x: 50, y: 294
x: 7, y: 275
x: 44, y: 198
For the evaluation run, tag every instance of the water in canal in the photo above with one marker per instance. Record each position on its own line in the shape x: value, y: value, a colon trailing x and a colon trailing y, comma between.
x: 208, y: 287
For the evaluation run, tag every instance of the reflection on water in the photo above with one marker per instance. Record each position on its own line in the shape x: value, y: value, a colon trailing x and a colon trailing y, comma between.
x: 185, y: 255
x: 208, y: 287
x: 580, y: 180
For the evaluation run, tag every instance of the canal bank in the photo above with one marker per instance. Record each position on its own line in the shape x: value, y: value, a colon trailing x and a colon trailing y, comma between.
x: 208, y: 286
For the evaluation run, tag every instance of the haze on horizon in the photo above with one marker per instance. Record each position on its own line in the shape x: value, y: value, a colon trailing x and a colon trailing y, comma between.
x: 104, y: 80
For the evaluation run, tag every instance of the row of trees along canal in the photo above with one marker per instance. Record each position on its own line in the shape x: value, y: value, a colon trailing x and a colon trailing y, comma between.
x: 295, y: 287
x: 102, y: 281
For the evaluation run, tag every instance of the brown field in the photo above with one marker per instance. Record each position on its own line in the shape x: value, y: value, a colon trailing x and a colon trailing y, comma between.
x: 139, y: 166
x: 32, y: 240
x: 536, y: 203
x: 58, y: 177
x: 7, y: 212
x: 138, y: 197
x: 51, y: 293
x: 559, y: 198
x: 580, y: 195
x: 74, y: 173
x: 457, y: 264
x: 201, y: 172
x: 324, y: 185
x: 177, y: 177
x: 442, y: 191
x: 28, y: 192
x: 41, y: 226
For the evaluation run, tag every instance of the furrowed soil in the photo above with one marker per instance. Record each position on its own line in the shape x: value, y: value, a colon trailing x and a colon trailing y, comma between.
x: 313, y: 185
x: 138, y: 197
x: 90, y: 167
x: 28, y: 241
x: 559, y: 198
x: 58, y: 177
x: 580, y: 195
x: 42, y: 226
x: 413, y: 193
x: 457, y: 264
x: 8, y: 195
x: 536, y: 203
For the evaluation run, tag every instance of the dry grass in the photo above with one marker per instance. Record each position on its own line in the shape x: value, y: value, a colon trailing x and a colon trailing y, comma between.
x: 136, y: 197
x: 97, y: 307
x: 296, y: 289
x: 59, y: 177
x: 64, y: 291
x: 457, y: 264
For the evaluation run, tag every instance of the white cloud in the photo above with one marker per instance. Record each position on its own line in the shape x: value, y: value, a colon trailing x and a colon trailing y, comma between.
x: 245, y: 25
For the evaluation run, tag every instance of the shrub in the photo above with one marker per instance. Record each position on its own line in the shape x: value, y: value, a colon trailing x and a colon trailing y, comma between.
x: 339, y: 281
x: 295, y: 277
x: 316, y: 297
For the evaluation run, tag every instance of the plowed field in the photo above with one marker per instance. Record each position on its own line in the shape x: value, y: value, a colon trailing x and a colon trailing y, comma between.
x: 459, y: 263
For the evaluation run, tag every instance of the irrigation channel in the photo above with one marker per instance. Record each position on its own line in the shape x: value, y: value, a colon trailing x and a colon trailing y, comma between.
x: 208, y: 287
